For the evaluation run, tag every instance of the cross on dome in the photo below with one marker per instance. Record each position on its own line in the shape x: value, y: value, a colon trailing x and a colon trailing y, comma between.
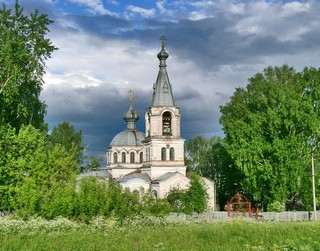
x: 130, y: 97
x: 163, y: 39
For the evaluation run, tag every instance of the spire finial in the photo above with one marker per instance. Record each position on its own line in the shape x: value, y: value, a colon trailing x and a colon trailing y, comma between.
x: 130, y: 97
x: 163, y: 39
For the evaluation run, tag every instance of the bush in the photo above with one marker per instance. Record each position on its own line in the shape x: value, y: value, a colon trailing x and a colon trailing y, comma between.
x: 196, y: 197
x: 276, y: 206
x: 176, y: 199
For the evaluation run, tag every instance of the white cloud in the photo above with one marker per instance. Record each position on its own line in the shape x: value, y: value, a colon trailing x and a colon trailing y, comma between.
x: 161, y: 6
x: 261, y: 18
x: 95, y: 6
x: 273, y: 19
x: 77, y: 79
x: 147, y: 13
x: 86, y: 60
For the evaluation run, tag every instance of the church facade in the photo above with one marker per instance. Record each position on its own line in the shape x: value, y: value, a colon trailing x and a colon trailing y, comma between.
x: 155, y: 159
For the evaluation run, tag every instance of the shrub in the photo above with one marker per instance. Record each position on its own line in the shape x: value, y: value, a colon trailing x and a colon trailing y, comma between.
x: 196, y: 197
x: 276, y: 206
x: 176, y: 199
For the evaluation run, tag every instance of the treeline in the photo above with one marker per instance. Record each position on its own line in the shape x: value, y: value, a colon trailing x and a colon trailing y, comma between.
x: 272, y: 129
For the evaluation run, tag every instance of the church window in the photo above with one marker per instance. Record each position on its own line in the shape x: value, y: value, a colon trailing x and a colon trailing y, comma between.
x: 171, y: 153
x: 141, y: 157
x: 166, y: 123
x: 123, y: 157
x: 132, y: 157
x: 163, y: 153
x: 155, y: 194
x: 115, y: 158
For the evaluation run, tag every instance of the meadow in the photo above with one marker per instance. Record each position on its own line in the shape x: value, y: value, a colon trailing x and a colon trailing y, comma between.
x: 150, y: 233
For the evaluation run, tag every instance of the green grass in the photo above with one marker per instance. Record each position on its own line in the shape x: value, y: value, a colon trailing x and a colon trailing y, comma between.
x: 155, y: 234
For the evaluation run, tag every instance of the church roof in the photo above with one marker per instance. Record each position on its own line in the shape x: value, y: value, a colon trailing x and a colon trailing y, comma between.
x: 166, y: 176
x: 134, y: 175
x: 162, y: 90
x: 95, y: 173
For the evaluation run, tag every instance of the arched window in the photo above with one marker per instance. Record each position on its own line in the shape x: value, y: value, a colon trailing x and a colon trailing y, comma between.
x: 123, y: 157
x: 136, y: 194
x: 155, y: 194
x: 171, y: 153
x: 132, y: 157
x: 166, y: 123
x: 141, y: 157
x: 115, y: 158
x: 163, y: 153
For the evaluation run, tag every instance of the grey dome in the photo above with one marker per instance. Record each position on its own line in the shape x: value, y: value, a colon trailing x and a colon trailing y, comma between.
x: 131, y: 136
x: 128, y: 138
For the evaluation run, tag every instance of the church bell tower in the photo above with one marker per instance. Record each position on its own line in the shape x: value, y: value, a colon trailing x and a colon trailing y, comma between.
x: 163, y: 145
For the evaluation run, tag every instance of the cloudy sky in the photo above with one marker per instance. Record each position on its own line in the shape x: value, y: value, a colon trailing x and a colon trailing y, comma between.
x: 107, y: 47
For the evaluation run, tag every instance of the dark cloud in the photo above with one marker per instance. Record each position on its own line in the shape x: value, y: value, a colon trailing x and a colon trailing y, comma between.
x: 209, y: 57
x: 209, y: 42
x: 98, y: 112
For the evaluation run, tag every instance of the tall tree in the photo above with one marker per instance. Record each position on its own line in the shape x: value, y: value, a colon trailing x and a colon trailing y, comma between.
x: 269, y: 126
x: 210, y: 159
x: 23, y: 52
x: 195, y: 152
x: 27, y: 159
x: 220, y: 167
x: 66, y: 135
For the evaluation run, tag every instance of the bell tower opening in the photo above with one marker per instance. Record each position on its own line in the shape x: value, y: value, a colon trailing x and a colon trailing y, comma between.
x: 166, y: 123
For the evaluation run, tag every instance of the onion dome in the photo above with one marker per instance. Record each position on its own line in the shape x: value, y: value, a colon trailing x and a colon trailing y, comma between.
x: 130, y: 136
x: 131, y: 117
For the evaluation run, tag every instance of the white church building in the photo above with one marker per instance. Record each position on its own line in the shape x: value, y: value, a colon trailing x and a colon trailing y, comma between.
x: 155, y: 159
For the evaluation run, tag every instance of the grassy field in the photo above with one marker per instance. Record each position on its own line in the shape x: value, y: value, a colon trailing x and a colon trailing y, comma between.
x: 157, y: 234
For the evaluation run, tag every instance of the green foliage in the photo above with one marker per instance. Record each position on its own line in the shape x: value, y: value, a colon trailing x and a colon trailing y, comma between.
x: 195, y: 153
x: 23, y: 52
x: 93, y: 164
x: 210, y: 159
x: 196, y: 197
x: 176, y: 199
x: 7, y: 174
x: 107, y: 198
x: 56, y: 200
x: 276, y: 206
x: 23, y: 156
x: 66, y: 135
x: 29, y: 165
x: 270, y: 127
x: 90, y: 198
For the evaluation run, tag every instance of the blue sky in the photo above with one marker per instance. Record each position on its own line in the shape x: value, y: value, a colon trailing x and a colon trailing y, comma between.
x: 108, y: 47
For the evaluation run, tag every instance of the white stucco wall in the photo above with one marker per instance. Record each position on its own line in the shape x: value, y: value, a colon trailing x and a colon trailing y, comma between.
x: 136, y: 184
x: 211, y: 190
